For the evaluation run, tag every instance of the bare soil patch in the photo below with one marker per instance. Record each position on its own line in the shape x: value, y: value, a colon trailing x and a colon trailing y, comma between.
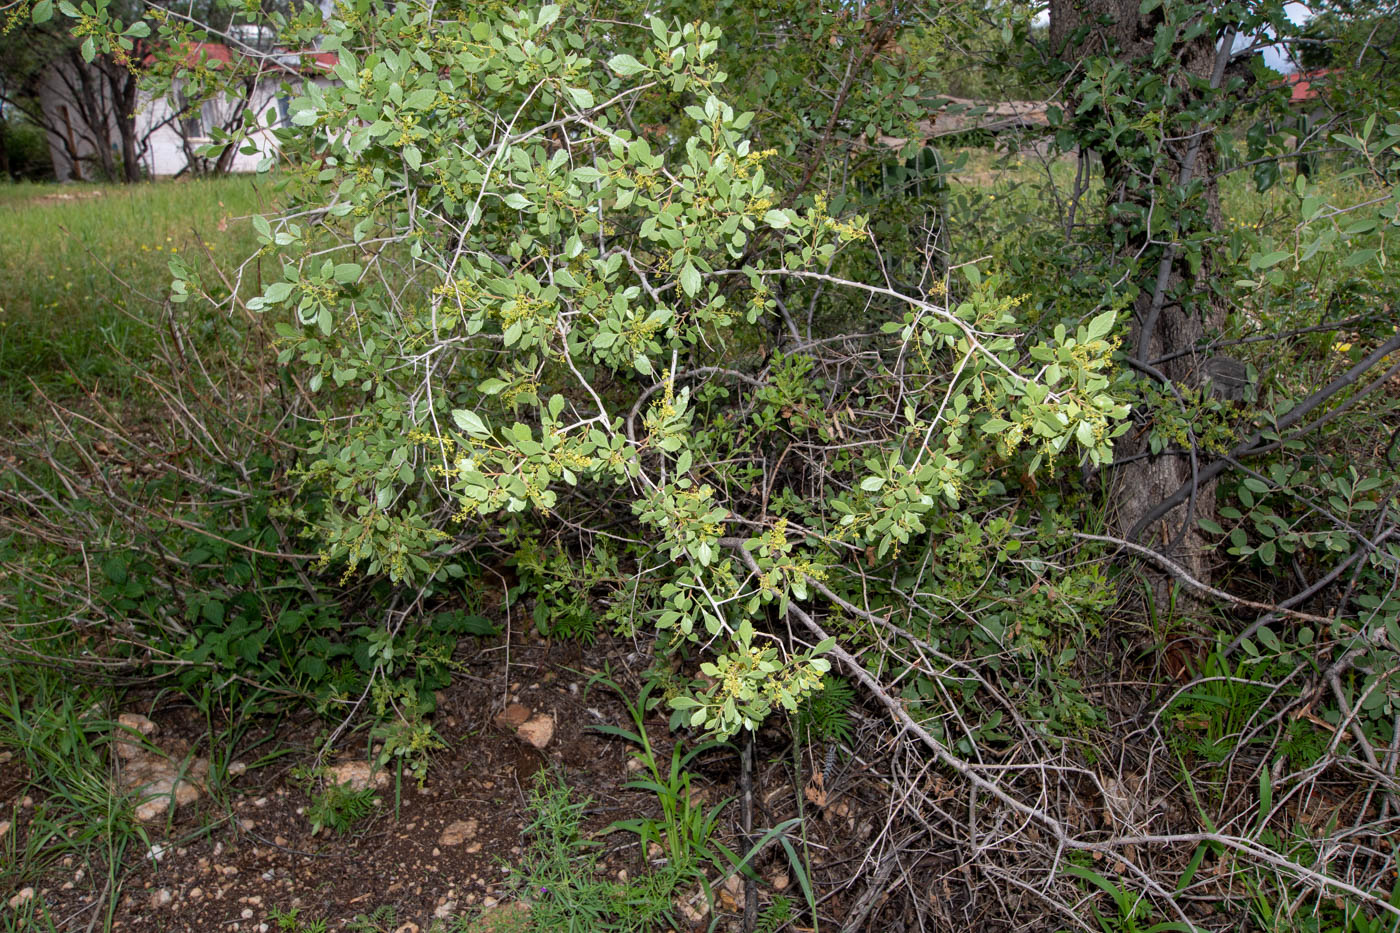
x: 235, y: 858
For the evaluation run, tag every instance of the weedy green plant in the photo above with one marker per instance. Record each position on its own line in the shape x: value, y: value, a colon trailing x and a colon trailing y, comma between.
x: 685, y: 832
x: 382, y: 919
x: 1132, y: 913
x: 60, y: 737
x: 338, y: 806
x: 290, y: 921
x: 775, y: 916
x: 558, y: 876
x: 825, y: 715
x: 565, y: 589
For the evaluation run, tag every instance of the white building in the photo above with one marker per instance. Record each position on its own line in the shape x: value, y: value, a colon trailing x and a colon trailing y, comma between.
x: 168, y: 131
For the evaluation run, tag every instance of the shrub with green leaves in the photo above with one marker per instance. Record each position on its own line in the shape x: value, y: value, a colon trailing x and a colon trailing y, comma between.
x: 515, y: 309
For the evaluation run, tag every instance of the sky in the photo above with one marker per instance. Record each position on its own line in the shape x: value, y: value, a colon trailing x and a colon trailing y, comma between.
x: 1274, y: 56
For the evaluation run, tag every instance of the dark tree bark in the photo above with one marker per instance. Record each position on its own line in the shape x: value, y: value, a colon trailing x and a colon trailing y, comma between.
x: 1175, y: 308
x: 124, y: 87
x: 248, y: 88
x: 91, y: 101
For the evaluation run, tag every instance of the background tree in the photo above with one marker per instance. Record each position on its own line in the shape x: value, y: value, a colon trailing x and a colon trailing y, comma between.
x: 1149, y: 94
x: 101, y: 57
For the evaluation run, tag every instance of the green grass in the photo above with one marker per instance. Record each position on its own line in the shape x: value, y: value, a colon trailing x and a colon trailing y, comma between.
x: 59, y: 734
x: 84, y: 271
x: 83, y: 281
x: 560, y: 878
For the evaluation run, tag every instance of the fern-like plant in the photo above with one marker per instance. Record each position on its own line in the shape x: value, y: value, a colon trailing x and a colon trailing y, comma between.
x: 825, y: 715
x: 339, y: 807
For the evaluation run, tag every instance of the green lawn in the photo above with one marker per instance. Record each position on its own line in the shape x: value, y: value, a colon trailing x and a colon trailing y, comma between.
x: 83, y: 266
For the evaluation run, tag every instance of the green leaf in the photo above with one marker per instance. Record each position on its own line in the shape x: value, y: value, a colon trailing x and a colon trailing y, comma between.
x: 114, y: 569
x: 1266, y: 797
x: 43, y: 11
x: 1359, y: 258
x: 421, y: 99
x: 778, y: 219
x: 517, y: 200
x: 1085, y: 434
x: 89, y: 49
x: 626, y: 65
x: 690, y: 279
x: 312, y: 666
x: 582, y: 97
x: 470, y: 422
x: 347, y: 272
x: 872, y: 483
x: 1101, y: 325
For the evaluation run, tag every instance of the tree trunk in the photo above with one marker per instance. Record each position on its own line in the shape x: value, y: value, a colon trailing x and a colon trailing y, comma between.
x: 225, y: 160
x: 123, y: 85
x: 5, y: 151
x: 94, y: 111
x: 1175, y: 308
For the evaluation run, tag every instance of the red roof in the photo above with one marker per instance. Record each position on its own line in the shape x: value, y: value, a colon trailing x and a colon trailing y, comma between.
x: 214, y: 54
x: 319, y: 61
x: 1303, y: 83
x: 211, y: 53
